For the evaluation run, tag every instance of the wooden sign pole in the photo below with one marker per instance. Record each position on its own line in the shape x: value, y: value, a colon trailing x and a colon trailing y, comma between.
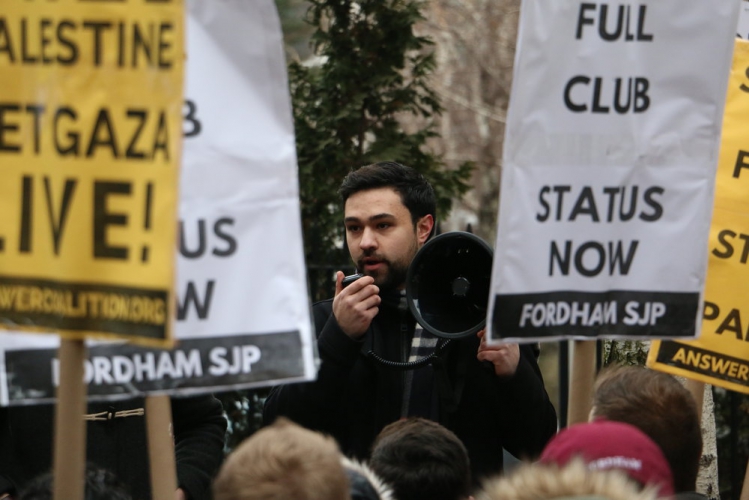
x: 698, y: 393
x: 745, y: 488
x: 161, y: 447
x: 69, y: 466
x: 582, y: 376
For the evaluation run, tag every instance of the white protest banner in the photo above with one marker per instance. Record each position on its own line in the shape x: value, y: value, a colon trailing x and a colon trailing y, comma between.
x: 243, y: 315
x: 609, y: 165
x: 742, y: 28
x: 89, y: 144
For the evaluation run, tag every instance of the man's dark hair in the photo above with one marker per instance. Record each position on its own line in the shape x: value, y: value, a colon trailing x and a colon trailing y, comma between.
x: 415, y: 191
x: 100, y: 484
x: 660, y: 406
x: 422, y: 460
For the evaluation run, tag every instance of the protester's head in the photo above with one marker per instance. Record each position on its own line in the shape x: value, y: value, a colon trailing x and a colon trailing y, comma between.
x: 572, y: 481
x: 660, y: 406
x: 605, y: 445
x: 99, y: 484
x: 280, y: 462
x: 415, y: 192
x: 389, y: 212
x: 422, y: 460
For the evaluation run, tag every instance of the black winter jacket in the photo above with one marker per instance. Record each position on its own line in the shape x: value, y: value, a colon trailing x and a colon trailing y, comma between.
x: 354, y: 397
x: 118, y: 444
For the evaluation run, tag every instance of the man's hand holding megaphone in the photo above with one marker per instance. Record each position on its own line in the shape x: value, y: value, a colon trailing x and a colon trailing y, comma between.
x: 504, y: 357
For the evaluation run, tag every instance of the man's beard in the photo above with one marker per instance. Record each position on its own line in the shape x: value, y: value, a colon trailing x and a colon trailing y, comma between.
x: 392, y: 277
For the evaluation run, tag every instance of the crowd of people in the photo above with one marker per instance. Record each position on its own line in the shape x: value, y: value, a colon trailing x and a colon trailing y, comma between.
x: 651, y: 453
x: 642, y: 442
x: 364, y: 430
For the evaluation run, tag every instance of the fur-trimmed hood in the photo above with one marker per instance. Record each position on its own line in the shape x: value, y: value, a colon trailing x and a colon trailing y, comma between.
x: 364, y: 483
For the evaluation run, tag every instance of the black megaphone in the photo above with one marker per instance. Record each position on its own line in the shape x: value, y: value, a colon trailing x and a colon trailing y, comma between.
x: 448, y: 282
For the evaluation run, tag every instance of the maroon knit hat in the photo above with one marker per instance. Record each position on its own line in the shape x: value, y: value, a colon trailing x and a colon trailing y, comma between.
x: 605, y: 445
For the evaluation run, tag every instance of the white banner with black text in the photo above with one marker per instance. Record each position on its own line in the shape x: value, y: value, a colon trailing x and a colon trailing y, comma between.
x: 609, y: 167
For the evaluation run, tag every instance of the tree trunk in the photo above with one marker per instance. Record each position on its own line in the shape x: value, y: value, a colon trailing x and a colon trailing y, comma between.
x: 707, y: 480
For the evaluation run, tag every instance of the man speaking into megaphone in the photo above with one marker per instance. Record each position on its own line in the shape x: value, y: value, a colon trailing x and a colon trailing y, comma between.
x: 370, y: 343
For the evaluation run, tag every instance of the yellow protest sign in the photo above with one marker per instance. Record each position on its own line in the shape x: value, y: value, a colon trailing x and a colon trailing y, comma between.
x: 90, y: 141
x: 721, y: 354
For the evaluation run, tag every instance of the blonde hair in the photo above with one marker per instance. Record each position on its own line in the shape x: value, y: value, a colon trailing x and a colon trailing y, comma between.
x: 574, y: 480
x: 283, y: 462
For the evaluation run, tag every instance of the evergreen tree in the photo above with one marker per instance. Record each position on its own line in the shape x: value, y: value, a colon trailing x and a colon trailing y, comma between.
x: 370, y: 71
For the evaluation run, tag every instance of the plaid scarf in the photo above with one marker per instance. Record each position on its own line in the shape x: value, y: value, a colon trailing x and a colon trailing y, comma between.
x: 419, y: 383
